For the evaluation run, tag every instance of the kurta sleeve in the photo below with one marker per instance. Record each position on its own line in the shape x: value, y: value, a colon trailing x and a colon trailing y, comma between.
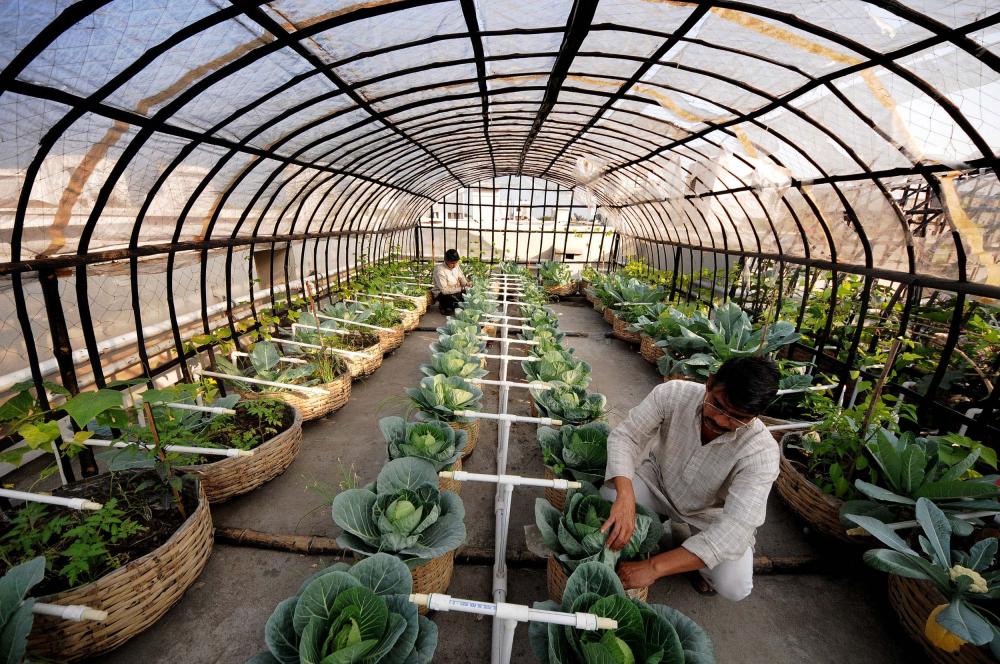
x: 729, y: 536
x: 626, y: 440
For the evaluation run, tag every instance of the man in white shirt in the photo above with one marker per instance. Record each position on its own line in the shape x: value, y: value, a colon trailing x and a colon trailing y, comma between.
x: 699, y: 455
x: 449, y: 283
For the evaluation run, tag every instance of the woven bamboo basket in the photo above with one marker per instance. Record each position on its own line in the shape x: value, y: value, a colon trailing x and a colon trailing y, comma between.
x: 421, y: 301
x: 234, y: 476
x: 609, y: 315
x: 555, y: 496
x: 451, y: 485
x: 366, y: 363
x: 913, y: 600
x: 556, y: 578
x: 620, y: 329
x: 430, y: 299
x: 561, y: 290
x: 582, y: 286
x: 434, y: 576
x: 599, y: 306
x: 411, y: 319
x: 135, y: 596
x: 390, y: 340
x: 312, y: 406
x: 820, y: 510
x: 649, y: 350
x: 472, y: 431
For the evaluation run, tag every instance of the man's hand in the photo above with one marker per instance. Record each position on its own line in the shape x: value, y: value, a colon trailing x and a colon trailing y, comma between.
x: 621, y: 523
x: 638, y: 574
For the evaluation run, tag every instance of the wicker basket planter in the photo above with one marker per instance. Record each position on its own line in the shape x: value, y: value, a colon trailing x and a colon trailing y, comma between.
x: 561, y: 290
x: 609, y: 315
x: 820, y: 510
x: 555, y: 496
x: 234, y: 476
x: 135, y: 596
x: 620, y: 329
x: 434, y: 576
x: 365, y: 362
x: 556, y: 578
x: 582, y: 286
x: 411, y: 319
x: 913, y: 600
x: 599, y: 306
x: 472, y: 431
x: 430, y: 298
x: 312, y: 406
x: 390, y: 340
x: 649, y: 350
x: 451, y: 485
x: 421, y: 302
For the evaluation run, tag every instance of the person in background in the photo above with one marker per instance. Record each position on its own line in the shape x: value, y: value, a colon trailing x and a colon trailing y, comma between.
x: 699, y: 455
x: 449, y: 283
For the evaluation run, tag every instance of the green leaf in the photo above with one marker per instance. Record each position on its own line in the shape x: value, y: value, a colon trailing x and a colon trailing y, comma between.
x: 965, y: 622
x: 894, y: 562
x: 280, y: 635
x: 982, y: 553
x: 884, y: 495
x: 881, y: 532
x: 264, y: 356
x: 16, y: 583
x: 40, y: 434
x: 945, y: 490
x: 85, y: 406
x: 911, y: 473
x: 14, y: 634
x: 936, y: 529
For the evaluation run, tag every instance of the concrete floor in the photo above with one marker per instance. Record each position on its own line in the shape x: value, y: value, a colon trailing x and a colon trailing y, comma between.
x: 836, y: 616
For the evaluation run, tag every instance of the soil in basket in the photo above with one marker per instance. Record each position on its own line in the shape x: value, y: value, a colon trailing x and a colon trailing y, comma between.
x: 143, y: 499
x: 244, y: 426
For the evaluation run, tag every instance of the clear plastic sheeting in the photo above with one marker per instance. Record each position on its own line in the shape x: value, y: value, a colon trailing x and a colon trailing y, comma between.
x: 861, y: 134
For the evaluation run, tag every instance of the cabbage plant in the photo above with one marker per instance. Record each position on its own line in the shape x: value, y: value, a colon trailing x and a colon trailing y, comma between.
x: 464, y: 342
x: 438, y: 397
x: 402, y: 513
x: 435, y: 442
x: 359, y: 613
x: 456, y: 326
x: 559, y: 366
x: 570, y: 405
x: 574, y: 536
x: 543, y: 333
x: 453, y: 363
x: 554, y: 273
x: 576, y: 452
x: 646, y: 633
x: 266, y: 363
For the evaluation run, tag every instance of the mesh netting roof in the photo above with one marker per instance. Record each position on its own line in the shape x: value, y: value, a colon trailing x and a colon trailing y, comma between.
x: 784, y: 128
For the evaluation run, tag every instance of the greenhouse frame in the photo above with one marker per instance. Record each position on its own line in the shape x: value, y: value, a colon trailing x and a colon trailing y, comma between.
x: 221, y: 218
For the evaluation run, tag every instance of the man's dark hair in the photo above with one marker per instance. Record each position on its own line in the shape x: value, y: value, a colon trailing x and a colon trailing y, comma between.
x: 750, y: 383
x: 451, y: 255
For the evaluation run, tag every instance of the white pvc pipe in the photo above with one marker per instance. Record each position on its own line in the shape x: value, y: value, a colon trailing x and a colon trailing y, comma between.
x: 504, y: 356
x: 512, y: 327
x: 517, y: 612
x: 506, y: 317
x: 526, y: 342
x: 972, y: 412
x: 269, y: 383
x: 302, y: 344
x: 74, y: 612
x: 321, y: 331
x: 354, y: 322
x: 72, y: 503
x: 792, y: 426
x: 516, y: 480
x: 360, y: 302
x: 200, y: 409
x: 812, y: 388
x: 180, y: 449
x: 289, y: 360
x: 509, y: 383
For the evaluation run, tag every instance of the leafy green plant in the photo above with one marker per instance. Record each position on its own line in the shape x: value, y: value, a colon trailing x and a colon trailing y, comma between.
x: 557, y: 366
x: 16, y: 617
x: 966, y: 579
x: 647, y: 633
x: 570, y: 405
x: 576, y: 452
x: 345, y: 613
x: 554, y: 273
x: 266, y: 363
x: 384, y: 314
x: 438, y: 397
x: 464, y: 342
x: 435, y: 442
x: 402, y: 513
x: 458, y: 326
x: 574, y: 536
x: 453, y: 363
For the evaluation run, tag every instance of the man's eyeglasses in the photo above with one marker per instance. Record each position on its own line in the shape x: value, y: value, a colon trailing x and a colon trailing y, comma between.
x: 729, y: 416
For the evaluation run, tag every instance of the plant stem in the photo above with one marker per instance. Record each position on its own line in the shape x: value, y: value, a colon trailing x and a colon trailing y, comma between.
x: 162, y: 456
x: 879, y: 385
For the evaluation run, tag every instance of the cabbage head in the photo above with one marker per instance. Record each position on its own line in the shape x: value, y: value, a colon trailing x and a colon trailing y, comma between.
x: 455, y: 326
x: 570, y: 405
x: 351, y: 614
x: 438, y: 397
x: 468, y: 315
x: 559, y: 366
x: 646, y: 633
x: 402, y: 513
x: 574, y: 536
x: 540, y: 317
x: 464, y: 342
x: 576, y: 452
x: 453, y: 363
x: 435, y: 442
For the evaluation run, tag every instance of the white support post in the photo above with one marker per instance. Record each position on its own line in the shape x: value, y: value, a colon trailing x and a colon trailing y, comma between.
x: 72, y: 503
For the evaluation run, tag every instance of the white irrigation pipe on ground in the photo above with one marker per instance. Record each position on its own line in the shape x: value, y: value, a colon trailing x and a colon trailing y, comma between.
x: 506, y: 317
x: 302, y: 344
x: 515, y: 480
x: 74, y: 612
x: 352, y: 322
x: 305, y: 389
x: 503, y: 356
x: 526, y: 342
x: 180, y: 449
x: 509, y: 383
x: 71, y: 503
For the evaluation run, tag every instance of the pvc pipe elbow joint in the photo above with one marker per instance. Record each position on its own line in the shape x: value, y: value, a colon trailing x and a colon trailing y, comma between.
x: 590, y: 622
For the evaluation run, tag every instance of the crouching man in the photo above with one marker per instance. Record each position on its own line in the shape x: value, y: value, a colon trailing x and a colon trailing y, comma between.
x: 449, y: 283
x: 699, y: 455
